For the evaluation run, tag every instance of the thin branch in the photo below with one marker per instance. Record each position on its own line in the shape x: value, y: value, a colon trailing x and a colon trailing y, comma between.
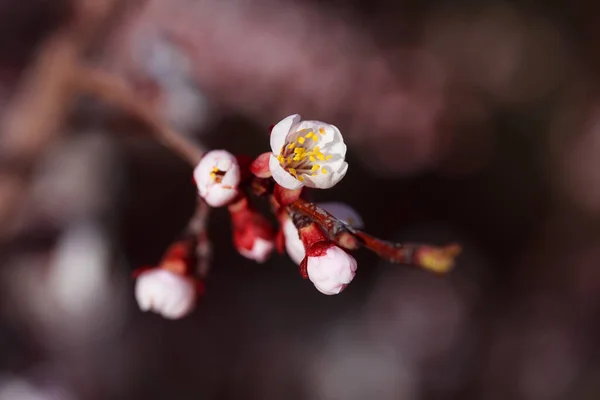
x: 433, y: 258
x: 198, y: 225
x: 115, y: 91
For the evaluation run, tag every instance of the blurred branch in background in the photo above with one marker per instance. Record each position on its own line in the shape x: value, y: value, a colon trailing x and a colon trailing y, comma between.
x: 38, y: 109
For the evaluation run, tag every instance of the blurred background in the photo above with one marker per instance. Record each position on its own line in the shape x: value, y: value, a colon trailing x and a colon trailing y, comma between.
x: 468, y: 121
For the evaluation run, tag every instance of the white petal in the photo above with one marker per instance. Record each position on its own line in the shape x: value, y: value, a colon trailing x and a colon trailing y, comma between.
x: 280, y: 132
x: 341, y: 172
x: 166, y: 293
x: 143, y: 298
x: 328, y: 180
x: 337, y: 150
x: 219, y: 196
x: 224, y: 164
x: 281, y: 176
x: 293, y: 244
x: 232, y: 177
x: 319, y: 181
x: 343, y: 212
x: 331, y: 134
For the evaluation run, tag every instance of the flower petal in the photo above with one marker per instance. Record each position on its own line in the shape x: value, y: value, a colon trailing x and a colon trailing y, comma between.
x: 341, y: 172
x: 281, y: 176
x: 328, y: 180
x: 337, y: 150
x: 166, y: 293
x: 281, y: 130
x: 218, y: 196
x: 232, y: 176
x: 293, y: 243
x: 330, y: 132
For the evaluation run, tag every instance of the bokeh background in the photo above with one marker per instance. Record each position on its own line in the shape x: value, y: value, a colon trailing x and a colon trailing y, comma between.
x: 468, y: 121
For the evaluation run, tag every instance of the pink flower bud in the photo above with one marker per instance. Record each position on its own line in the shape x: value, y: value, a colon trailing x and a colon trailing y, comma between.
x: 217, y: 177
x: 165, y: 292
x: 253, y: 234
x: 331, y: 270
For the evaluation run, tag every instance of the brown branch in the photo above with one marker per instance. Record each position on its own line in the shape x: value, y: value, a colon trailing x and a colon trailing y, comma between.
x: 432, y: 258
x: 115, y: 91
x: 198, y: 226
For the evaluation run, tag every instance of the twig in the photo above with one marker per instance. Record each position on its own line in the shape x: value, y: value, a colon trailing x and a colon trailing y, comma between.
x: 436, y: 259
x: 114, y: 90
x: 198, y: 226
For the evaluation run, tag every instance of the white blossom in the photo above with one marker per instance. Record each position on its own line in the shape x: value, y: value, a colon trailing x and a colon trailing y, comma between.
x: 217, y: 177
x: 166, y: 293
x: 309, y: 153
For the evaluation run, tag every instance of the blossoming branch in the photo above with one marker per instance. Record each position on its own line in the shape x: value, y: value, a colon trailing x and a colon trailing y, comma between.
x: 320, y: 238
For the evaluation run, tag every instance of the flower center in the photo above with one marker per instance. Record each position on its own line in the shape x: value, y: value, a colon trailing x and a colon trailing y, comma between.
x: 301, y: 155
x: 217, y: 175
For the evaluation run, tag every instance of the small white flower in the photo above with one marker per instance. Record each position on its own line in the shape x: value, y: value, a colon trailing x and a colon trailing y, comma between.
x: 166, y: 293
x: 217, y: 176
x: 293, y: 244
x: 309, y: 153
x: 331, y: 272
x: 261, y: 250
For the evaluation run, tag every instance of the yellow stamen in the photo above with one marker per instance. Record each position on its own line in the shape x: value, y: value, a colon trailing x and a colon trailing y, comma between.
x: 292, y: 171
x: 315, y: 138
x: 312, y: 158
x: 301, y: 140
x: 328, y: 157
x: 291, y: 145
x: 309, y: 135
x: 301, y: 178
x: 321, y: 131
x: 323, y: 170
x: 321, y: 156
x: 315, y: 167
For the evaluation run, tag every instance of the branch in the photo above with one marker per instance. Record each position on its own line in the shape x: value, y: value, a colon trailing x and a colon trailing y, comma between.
x: 114, y: 90
x: 198, y: 227
x: 432, y: 258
